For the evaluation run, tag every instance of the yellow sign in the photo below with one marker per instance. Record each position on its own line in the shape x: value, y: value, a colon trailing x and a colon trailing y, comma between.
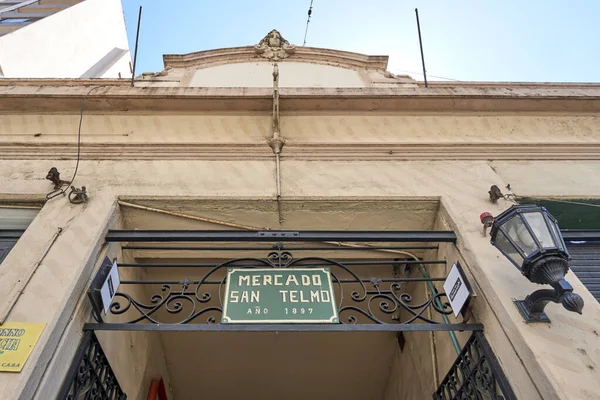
x: 16, y: 343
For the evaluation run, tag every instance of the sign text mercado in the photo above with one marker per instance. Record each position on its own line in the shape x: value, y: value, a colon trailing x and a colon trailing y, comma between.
x: 267, y: 295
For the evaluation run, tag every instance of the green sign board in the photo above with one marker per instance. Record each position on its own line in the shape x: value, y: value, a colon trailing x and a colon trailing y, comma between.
x: 267, y: 295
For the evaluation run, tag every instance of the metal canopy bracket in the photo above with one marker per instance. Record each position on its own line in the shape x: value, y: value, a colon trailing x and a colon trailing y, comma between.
x: 282, y: 236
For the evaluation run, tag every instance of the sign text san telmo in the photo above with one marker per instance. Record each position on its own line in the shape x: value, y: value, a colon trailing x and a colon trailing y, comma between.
x: 294, y: 295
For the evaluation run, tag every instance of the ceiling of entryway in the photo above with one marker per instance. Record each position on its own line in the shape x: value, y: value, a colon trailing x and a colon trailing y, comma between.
x: 277, y: 366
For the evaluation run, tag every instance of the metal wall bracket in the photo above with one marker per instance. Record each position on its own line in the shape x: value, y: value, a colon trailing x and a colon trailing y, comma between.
x: 532, y: 308
x: 529, y: 315
x: 277, y: 234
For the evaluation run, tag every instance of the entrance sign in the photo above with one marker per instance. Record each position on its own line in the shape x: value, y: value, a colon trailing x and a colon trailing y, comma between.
x: 279, y: 295
x: 16, y: 343
x: 110, y: 285
x: 457, y: 289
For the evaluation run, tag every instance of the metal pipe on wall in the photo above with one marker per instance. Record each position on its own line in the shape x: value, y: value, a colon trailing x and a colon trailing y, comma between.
x: 276, y: 142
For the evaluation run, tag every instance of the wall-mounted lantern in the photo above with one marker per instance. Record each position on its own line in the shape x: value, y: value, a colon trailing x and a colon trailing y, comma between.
x: 530, y: 238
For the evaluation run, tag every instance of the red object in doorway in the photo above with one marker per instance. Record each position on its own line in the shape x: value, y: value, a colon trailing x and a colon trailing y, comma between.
x: 157, y: 390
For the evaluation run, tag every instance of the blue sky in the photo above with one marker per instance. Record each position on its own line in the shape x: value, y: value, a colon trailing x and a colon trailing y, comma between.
x: 485, y: 40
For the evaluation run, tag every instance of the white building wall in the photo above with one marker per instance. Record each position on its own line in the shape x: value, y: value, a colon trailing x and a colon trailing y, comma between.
x: 121, y: 66
x: 68, y: 44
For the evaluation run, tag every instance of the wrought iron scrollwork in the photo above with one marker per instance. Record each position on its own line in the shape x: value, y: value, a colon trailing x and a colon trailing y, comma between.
x: 359, y: 299
x: 90, y: 376
x: 475, y: 375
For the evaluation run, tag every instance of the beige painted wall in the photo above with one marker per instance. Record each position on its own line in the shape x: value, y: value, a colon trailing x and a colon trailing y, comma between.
x: 291, y: 74
x: 553, y: 361
x: 342, y: 136
x: 127, y: 128
x: 342, y: 128
x: 54, y: 283
x: 465, y: 187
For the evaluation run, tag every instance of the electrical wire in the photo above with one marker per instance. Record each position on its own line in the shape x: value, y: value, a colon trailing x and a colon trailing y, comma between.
x: 307, y: 22
x: 433, y: 76
x: 434, y: 292
x: 62, y: 189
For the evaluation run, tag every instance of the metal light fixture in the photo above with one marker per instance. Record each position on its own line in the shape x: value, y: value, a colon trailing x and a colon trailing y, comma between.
x: 487, y: 220
x: 530, y: 238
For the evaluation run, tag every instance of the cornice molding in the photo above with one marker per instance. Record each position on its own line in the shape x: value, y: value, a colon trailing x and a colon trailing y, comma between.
x: 211, y: 58
x: 383, y: 99
x: 305, y: 151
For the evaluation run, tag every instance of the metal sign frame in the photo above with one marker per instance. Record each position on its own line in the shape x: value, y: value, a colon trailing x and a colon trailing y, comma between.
x: 334, y: 319
x: 465, y: 310
x: 94, y: 292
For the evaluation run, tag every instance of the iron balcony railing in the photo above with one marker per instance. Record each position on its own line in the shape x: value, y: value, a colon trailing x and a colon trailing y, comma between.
x: 378, y: 285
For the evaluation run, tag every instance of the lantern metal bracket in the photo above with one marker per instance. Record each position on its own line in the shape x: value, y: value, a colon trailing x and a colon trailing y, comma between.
x: 532, y: 308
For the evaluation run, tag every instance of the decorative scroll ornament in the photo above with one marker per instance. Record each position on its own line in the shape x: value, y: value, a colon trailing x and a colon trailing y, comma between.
x: 274, y: 47
x: 359, y: 300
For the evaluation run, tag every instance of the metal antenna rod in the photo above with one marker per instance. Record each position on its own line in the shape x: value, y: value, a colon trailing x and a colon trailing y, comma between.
x: 137, y: 38
x: 307, y: 21
x: 421, y: 45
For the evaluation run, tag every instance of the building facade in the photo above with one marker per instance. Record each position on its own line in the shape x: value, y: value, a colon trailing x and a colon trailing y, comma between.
x: 63, y: 39
x: 274, y: 139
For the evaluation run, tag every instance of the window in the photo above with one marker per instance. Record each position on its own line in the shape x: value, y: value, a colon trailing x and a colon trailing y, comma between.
x: 13, y: 20
x: 13, y: 222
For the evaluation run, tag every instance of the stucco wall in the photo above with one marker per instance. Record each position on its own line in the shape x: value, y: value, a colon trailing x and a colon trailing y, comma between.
x: 66, y: 44
x: 360, y: 136
x: 552, y: 361
x: 291, y: 74
x: 363, y: 128
x: 461, y: 185
x: 134, y: 128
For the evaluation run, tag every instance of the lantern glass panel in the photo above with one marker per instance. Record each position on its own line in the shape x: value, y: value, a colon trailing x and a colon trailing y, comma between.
x: 540, y: 229
x: 557, y: 236
x: 506, y: 246
x: 517, y: 231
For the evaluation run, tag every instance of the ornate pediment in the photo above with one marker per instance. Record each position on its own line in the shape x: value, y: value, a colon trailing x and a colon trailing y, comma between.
x: 274, y: 47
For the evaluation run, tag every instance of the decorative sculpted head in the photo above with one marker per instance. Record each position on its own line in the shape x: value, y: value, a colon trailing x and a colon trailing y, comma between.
x: 274, y: 47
